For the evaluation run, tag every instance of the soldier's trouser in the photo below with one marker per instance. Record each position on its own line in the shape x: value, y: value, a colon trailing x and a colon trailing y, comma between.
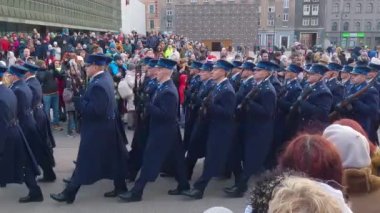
x: 31, y: 183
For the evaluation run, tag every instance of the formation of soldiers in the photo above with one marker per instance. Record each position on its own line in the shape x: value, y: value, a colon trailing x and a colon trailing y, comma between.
x: 239, y: 116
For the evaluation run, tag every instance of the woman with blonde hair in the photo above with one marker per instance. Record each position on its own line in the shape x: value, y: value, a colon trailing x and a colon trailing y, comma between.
x: 289, y: 191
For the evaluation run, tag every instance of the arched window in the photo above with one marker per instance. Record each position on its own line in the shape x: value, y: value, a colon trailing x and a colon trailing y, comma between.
x: 368, y: 26
x: 346, y: 26
x: 357, y: 26
x: 369, y: 8
x: 334, y: 26
x: 347, y: 7
x: 358, y: 8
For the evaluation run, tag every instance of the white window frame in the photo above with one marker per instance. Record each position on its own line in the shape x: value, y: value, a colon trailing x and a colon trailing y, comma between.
x: 286, y: 3
x: 271, y: 9
x: 315, y: 9
x: 285, y: 17
x: 154, y: 9
x: 169, y: 12
x: 314, y: 22
x: 306, y: 9
x: 270, y: 22
x: 306, y: 22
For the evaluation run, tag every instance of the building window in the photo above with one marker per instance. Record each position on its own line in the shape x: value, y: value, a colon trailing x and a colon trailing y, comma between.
x: 169, y: 1
x: 286, y: 17
x: 368, y: 26
x: 151, y: 24
x: 270, y: 22
x: 306, y: 0
x: 306, y: 10
x: 347, y: 7
x: 169, y: 12
x: 378, y: 26
x: 194, y: 1
x: 314, y: 22
x: 152, y: 9
x: 258, y: 21
x: 357, y: 27
x: 346, y: 26
x: 286, y: 3
x: 305, y: 22
x: 314, y: 9
x: 169, y: 24
x: 358, y: 8
x: 206, y: 1
x: 335, y: 8
x: 271, y: 9
x: 370, y: 8
x: 259, y: 9
x: 334, y: 26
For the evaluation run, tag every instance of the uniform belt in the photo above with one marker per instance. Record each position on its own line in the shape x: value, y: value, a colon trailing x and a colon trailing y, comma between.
x: 12, y: 123
x: 28, y: 112
x: 39, y: 106
x: 111, y: 117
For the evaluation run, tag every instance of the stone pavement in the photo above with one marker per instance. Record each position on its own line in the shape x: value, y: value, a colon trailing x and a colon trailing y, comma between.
x: 90, y: 198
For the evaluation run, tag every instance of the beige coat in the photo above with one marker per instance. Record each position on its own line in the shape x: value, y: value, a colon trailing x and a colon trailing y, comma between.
x: 363, y: 189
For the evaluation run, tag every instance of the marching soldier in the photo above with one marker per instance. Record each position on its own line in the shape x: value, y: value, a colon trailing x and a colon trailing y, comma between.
x: 292, y: 91
x: 365, y: 105
x: 141, y: 133
x: 345, y: 74
x: 314, y: 103
x: 17, y: 161
x: 257, y: 113
x: 42, y: 121
x: 100, y: 136
x: 198, y: 139
x: 235, y: 75
x: 236, y: 152
x: 219, y: 110
x: 303, y: 81
x: 28, y: 124
x: 334, y: 84
x: 190, y: 96
x: 374, y: 65
x: 163, y: 135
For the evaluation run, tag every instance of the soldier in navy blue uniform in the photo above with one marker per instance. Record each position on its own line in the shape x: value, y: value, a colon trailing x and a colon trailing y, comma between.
x: 365, y: 107
x: 333, y: 83
x: 303, y: 81
x: 292, y: 91
x: 257, y: 113
x: 42, y: 121
x: 220, y: 110
x: 100, y: 135
x: 190, y: 96
x: 315, y: 108
x: 17, y: 161
x: 235, y: 75
x: 345, y: 74
x: 163, y: 135
x: 275, y: 82
x: 198, y: 139
x: 141, y: 133
x: 28, y: 124
x: 374, y: 65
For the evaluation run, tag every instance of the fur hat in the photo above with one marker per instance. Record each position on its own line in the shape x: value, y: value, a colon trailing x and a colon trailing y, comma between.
x: 352, y: 146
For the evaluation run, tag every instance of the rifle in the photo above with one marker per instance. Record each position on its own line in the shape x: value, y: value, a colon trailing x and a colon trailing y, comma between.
x: 137, y: 91
x: 333, y: 116
x: 252, y: 94
x: 294, y: 108
x: 206, y: 102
